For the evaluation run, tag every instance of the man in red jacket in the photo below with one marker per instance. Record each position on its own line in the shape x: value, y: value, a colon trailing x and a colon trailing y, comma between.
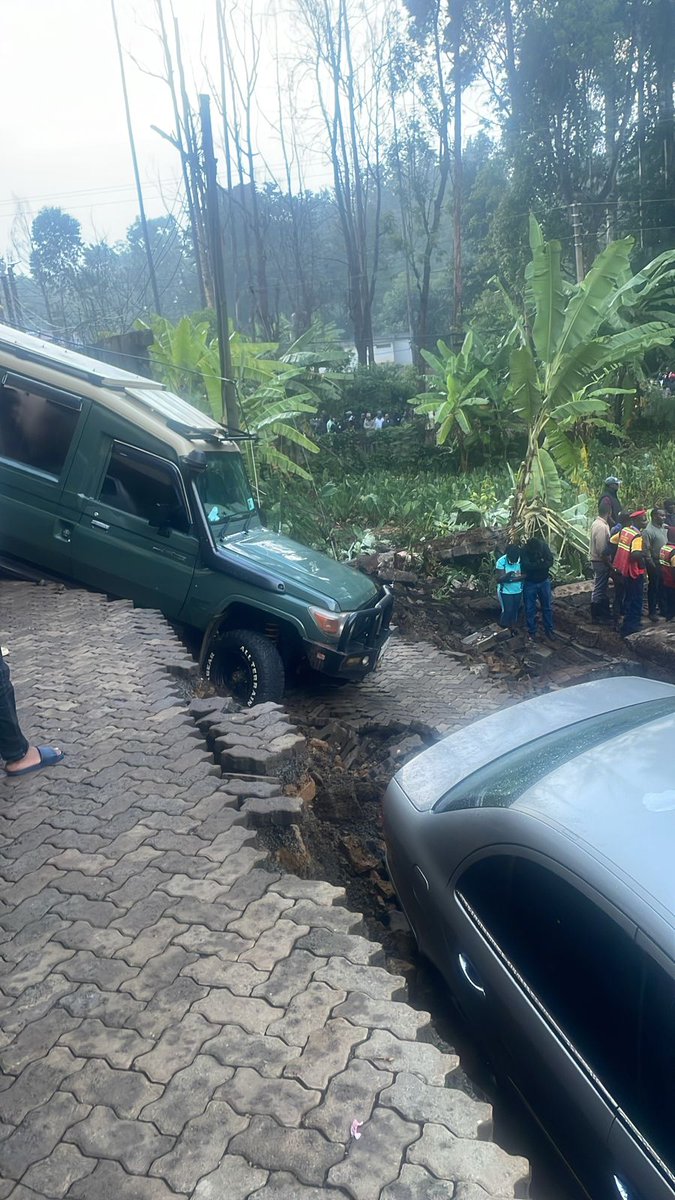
x: 629, y: 561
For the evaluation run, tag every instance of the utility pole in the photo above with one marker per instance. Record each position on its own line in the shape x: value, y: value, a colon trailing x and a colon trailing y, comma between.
x: 578, y: 247
x: 215, y: 244
x: 16, y: 303
x: 137, y: 177
x: 10, y: 316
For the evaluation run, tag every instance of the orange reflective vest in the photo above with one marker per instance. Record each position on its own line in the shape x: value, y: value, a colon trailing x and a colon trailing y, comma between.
x: 629, y: 545
x: 665, y: 562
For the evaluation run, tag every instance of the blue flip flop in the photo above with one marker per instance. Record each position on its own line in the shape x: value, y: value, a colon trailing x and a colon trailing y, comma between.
x: 49, y: 757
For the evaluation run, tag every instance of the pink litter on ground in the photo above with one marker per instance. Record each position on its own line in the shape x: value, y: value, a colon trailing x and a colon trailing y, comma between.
x: 356, y: 1125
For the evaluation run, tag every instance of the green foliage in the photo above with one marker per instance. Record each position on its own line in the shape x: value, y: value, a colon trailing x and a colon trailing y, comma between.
x: 459, y: 391
x: 273, y: 394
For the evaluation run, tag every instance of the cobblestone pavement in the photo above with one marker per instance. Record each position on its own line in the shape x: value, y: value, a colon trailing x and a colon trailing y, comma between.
x: 175, y: 1019
x: 415, y: 682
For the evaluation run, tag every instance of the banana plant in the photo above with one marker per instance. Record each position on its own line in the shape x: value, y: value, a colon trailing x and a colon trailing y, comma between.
x: 567, y: 356
x: 456, y: 396
x: 273, y: 395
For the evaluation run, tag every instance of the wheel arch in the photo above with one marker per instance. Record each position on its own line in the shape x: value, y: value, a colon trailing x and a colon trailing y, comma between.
x: 285, y: 631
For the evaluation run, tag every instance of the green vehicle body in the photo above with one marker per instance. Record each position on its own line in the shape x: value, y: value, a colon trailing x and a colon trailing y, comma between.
x: 108, y: 479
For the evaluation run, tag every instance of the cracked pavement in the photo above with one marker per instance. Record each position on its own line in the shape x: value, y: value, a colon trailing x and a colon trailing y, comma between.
x: 176, y: 1020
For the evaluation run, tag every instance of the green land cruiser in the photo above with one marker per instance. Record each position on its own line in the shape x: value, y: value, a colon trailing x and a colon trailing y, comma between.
x: 108, y: 479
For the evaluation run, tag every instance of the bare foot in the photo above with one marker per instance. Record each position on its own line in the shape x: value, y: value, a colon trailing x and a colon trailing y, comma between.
x: 31, y: 759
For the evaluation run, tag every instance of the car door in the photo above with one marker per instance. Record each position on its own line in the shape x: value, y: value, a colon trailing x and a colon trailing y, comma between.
x: 556, y: 965
x: 40, y: 427
x: 642, y: 1138
x: 135, y: 537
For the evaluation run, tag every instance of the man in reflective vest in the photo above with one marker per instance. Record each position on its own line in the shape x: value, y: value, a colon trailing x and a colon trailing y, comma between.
x: 629, y: 561
x: 667, y: 566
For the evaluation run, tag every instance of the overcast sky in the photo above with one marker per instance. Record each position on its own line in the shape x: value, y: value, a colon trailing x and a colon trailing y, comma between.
x: 62, y: 125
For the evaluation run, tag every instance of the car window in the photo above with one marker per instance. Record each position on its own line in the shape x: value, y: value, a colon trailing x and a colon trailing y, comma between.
x: 505, y: 779
x: 579, y: 963
x: 654, y: 1107
x: 144, y: 486
x: 36, y: 431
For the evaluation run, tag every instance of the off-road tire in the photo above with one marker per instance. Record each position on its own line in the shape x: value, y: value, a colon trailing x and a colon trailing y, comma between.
x: 247, y: 665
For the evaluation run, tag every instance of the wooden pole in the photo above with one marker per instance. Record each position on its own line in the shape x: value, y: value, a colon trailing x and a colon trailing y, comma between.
x: 134, y: 159
x: 215, y: 242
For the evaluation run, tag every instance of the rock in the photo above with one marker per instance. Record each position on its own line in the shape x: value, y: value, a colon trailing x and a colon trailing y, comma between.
x: 358, y: 855
x: 307, y: 792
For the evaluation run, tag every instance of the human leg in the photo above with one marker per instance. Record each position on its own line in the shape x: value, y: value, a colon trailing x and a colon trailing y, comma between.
x: 13, y: 745
x: 530, y: 602
x: 510, y: 610
x: 546, y: 601
x: 634, y: 592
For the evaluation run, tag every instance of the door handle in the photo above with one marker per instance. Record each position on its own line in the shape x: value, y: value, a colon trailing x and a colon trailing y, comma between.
x: 99, y: 525
x: 469, y: 972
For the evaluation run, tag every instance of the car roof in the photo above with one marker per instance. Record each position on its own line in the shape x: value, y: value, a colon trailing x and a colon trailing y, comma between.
x: 432, y: 773
x: 144, y: 401
x: 617, y: 800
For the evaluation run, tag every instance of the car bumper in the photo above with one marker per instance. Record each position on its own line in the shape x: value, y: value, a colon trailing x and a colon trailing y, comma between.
x: 361, y: 645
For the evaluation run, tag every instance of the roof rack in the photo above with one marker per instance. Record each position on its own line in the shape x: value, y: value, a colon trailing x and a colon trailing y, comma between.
x: 79, y: 366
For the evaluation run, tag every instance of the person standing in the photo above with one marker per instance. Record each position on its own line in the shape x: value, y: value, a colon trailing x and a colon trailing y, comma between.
x: 629, y: 561
x: 611, y: 493
x: 601, y: 562
x: 510, y: 587
x: 655, y: 535
x: 19, y: 756
x: 667, y: 567
x: 536, y: 561
x: 368, y: 421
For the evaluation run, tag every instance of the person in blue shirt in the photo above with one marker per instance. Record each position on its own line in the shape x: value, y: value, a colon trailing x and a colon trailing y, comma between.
x: 510, y: 587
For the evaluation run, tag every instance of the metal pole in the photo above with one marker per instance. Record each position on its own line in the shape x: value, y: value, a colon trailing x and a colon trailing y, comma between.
x: 578, y: 247
x: 134, y: 159
x: 215, y: 242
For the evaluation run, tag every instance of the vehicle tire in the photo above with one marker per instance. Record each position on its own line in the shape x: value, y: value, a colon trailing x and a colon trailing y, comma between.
x: 247, y: 665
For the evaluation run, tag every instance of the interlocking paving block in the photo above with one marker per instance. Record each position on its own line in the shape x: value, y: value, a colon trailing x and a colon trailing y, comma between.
x: 283, y: 1099
x: 200, y: 1147
x: 108, y: 974
x: 289, y: 977
x: 103, y: 1134
x: 239, y: 977
x: 187, y: 1094
x: 176, y: 1048
x: 34, y: 1003
x: 260, y: 915
x: 398, y: 1018
x: 307, y: 1013
x: 374, y: 981
x: 310, y: 889
x: 326, y: 916
x: 93, y: 1039
x: 150, y: 941
x: 38, y: 1134
x: 35, y: 1039
x: 80, y: 935
x: 201, y: 940
x: 414, y: 1183
x: 327, y: 943
x: 124, y: 1091
x: 470, y: 1161
x: 282, y: 1186
x: 168, y: 1006
x: 109, y: 1181
x: 303, y: 1152
x: 54, y: 1175
x: 158, y: 972
x: 273, y: 810
x: 420, y: 1058
x: 234, y: 1179
x: 237, y: 1048
x: 350, y: 1094
x: 326, y: 1053
x: 418, y: 1101
x: 223, y: 1007
x: 375, y: 1159
x: 113, y: 1008
x: 36, y: 1083
x: 273, y: 944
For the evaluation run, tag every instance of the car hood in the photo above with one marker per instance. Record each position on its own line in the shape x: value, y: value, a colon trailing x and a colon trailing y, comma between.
x: 307, y: 574
x: 435, y: 771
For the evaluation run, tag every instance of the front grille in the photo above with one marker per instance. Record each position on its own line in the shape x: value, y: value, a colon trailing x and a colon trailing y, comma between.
x: 365, y: 627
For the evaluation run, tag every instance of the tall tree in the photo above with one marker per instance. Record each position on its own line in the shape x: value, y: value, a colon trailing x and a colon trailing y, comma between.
x: 56, y: 253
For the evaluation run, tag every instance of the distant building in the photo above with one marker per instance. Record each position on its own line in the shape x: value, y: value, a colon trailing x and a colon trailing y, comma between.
x: 390, y: 348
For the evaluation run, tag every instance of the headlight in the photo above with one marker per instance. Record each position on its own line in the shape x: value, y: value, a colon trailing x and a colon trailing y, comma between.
x: 328, y: 622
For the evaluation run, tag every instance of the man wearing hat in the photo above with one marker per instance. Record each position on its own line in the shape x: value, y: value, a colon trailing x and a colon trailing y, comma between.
x: 610, y: 494
x: 629, y: 561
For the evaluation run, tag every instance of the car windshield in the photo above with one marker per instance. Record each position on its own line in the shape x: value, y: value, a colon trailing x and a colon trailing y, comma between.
x: 504, y: 780
x: 224, y: 490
